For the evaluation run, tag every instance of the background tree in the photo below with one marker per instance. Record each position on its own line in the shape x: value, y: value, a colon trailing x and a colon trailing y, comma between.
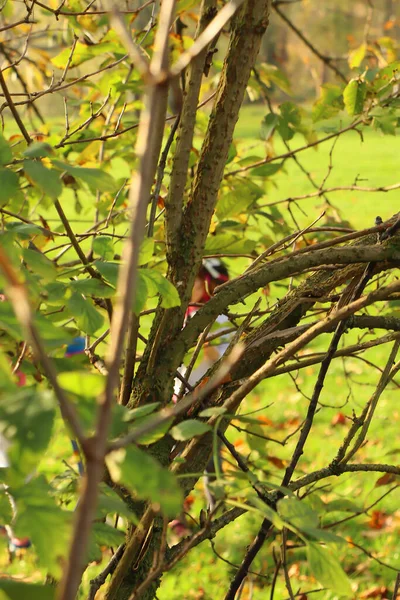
x: 158, y: 193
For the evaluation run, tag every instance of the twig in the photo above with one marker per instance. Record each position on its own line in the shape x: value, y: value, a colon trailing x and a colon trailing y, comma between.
x: 361, y: 512
x: 355, y: 293
x: 147, y: 149
x: 163, y: 567
x: 371, y: 406
x: 70, y: 13
x: 339, y: 470
x: 130, y: 356
x: 80, y: 253
x: 167, y: 413
x: 270, y: 366
x: 13, y: 109
x: 284, y: 564
x: 200, y: 342
x: 276, y: 572
x: 396, y: 587
x: 100, y: 579
x: 160, y: 176
x: 136, y: 54
x: 20, y: 358
x: 243, y: 467
x: 338, y: 188
x: 326, y: 60
x: 295, y: 151
x: 206, y: 36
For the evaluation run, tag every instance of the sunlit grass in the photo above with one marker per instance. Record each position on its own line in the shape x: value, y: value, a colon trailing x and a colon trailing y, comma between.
x: 370, y: 160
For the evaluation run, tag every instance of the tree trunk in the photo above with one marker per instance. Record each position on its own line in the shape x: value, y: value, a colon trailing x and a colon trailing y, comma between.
x: 248, y: 28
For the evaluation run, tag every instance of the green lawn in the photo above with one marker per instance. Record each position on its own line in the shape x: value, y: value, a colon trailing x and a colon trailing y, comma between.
x: 372, y: 161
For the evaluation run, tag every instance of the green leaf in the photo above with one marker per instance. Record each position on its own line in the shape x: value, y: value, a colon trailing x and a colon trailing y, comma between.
x: 6, y: 513
x: 5, y: 151
x: 83, y: 53
x: 386, y: 75
x: 256, y: 442
x: 55, y: 292
x: 40, y: 264
x: 232, y: 205
x: 228, y: 243
x: 9, y: 185
x: 323, y: 535
x: 141, y: 293
x: 189, y: 429
x: 266, y: 170
x: 53, y: 336
x: 354, y: 96
x: 329, y: 103
x: 39, y: 518
x: 213, y: 411
x: 47, y: 180
x: 143, y: 411
x: 298, y: 513
x: 146, y: 251
x: 343, y: 505
x: 110, y: 504
x: 84, y: 388
x: 104, y: 247
x: 88, y: 319
x: 92, y: 287
x: 109, y: 270
x: 24, y: 230
x: 290, y: 113
x: 357, y: 55
x: 38, y: 150
x: 327, y: 570
x: 26, y: 421
x: 96, y: 179
x: 268, y: 125
x: 183, y: 5
x: 272, y: 74
x: 168, y: 293
x: 268, y: 512
x: 82, y: 383
x: 11, y: 589
x: 105, y: 535
x: 156, y: 433
x: 142, y: 473
x: 386, y: 123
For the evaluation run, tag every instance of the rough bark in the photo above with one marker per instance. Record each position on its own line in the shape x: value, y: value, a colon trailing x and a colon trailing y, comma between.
x: 155, y: 375
x: 247, y: 31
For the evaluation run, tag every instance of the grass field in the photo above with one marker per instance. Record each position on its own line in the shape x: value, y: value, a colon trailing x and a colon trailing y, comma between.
x: 372, y: 161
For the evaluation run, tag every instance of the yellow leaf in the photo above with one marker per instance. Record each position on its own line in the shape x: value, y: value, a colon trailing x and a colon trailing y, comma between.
x: 357, y: 56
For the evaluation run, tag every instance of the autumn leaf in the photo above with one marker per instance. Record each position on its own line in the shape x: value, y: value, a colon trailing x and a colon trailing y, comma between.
x: 378, y: 520
x: 385, y: 479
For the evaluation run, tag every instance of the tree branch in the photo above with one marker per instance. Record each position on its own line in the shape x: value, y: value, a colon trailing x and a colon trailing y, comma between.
x: 325, y: 59
x: 147, y: 149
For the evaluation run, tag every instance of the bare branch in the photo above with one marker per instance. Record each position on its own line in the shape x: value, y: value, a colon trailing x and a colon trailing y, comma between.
x: 147, y: 149
x: 325, y: 59
x: 266, y: 161
x: 206, y: 36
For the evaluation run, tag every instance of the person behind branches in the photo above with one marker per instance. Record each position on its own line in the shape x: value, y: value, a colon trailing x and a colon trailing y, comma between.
x: 212, y: 273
